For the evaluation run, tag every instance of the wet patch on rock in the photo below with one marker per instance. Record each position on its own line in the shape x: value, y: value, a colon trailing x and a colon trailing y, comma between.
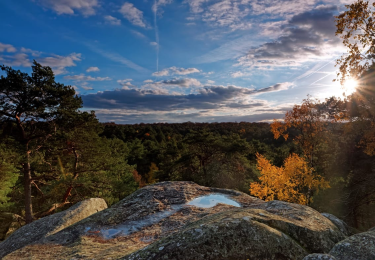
x: 212, y: 200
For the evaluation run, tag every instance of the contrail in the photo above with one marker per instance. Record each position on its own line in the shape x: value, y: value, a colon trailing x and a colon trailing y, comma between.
x: 155, y: 9
x: 322, y: 78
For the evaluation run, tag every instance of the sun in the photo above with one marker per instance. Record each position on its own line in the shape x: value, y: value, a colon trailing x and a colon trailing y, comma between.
x: 342, y: 90
x: 350, y: 86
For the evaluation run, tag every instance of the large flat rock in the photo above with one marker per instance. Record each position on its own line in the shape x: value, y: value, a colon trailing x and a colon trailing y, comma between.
x: 171, y: 219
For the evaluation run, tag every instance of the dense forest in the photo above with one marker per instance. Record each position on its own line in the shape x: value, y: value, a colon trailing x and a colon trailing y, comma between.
x: 54, y: 154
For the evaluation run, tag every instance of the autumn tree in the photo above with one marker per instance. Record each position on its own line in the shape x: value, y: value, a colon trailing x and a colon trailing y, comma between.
x: 291, y: 182
x: 356, y: 27
x: 310, y: 125
x: 34, y: 104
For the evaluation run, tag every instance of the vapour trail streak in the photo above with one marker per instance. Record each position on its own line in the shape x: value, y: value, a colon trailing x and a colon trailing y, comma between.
x: 155, y: 9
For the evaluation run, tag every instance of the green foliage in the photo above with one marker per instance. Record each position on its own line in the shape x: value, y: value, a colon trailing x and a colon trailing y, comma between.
x: 9, y: 173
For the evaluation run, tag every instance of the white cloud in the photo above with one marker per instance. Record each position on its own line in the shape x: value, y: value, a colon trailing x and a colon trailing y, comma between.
x: 148, y: 81
x: 239, y: 14
x: 138, y: 34
x: 153, y: 43
x: 161, y: 73
x: 124, y: 81
x: 60, y: 63
x: 82, y: 77
x: 237, y: 74
x: 109, y: 19
x: 19, y: 59
x: 86, y: 7
x: 227, y: 13
x: 210, y: 82
x: 280, y: 7
x: 87, y: 87
x: 175, y: 71
x: 7, y: 48
x: 32, y: 52
x: 157, y: 3
x: 93, y: 69
x: 56, y: 62
x: 196, y: 5
x: 133, y: 15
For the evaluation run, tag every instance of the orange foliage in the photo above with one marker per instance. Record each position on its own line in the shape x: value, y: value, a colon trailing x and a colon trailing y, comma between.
x: 291, y: 182
x: 307, y: 120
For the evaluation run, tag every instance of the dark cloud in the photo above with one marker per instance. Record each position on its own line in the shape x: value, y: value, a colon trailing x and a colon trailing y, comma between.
x: 321, y: 20
x: 305, y: 36
x: 276, y: 87
x: 207, y: 98
x: 188, y: 82
x: 184, y: 117
x: 211, y: 97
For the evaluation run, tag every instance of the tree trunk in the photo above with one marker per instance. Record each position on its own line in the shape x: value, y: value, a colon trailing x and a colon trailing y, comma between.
x: 75, y: 176
x: 27, y: 185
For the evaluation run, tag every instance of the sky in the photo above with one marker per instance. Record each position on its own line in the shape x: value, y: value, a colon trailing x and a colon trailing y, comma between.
x: 173, y: 61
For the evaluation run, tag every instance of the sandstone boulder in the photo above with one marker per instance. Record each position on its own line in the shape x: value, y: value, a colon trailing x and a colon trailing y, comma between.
x: 273, y: 230
x: 171, y: 219
x: 50, y: 225
x: 357, y: 247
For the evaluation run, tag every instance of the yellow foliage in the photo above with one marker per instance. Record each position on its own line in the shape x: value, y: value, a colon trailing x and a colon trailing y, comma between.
x: 292, y: 182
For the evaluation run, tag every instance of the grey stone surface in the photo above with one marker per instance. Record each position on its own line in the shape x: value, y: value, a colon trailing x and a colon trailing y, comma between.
x: 357, y: 247
x: 156, y: 222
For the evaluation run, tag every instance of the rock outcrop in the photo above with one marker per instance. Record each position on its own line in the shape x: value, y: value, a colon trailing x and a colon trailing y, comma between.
x: 50, y: 225
x: 273, y: 230
x: 357, y: 247
x: 182, y: 220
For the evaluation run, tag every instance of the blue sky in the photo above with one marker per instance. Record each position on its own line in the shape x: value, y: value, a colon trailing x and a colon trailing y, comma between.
x: 179, y: 60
